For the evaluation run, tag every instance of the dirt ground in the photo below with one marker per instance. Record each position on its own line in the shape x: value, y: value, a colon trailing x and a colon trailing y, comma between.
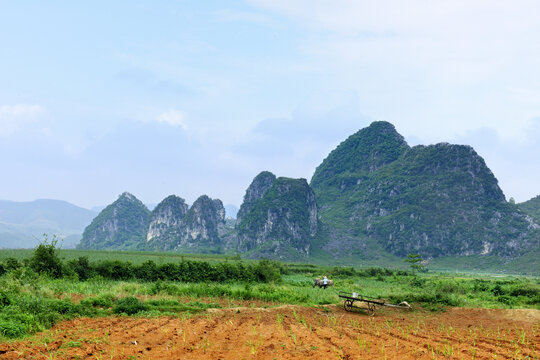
x: 292, y: 332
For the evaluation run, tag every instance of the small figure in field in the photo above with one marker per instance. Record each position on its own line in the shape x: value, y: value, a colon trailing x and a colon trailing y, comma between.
x: 321, y: 282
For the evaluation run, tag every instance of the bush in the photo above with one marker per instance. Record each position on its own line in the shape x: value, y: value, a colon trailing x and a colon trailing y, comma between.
x: 102, y: 301
x: 497, y: 290
x: 343, y: 271
x: 528, y: 290
x: 11, y: 264
x: 4, y: 298
x: 115, y: 269
x: 148, y: 271
x: 417, y: 281
x: 81, y: 266
x: 505, y: 299
x: 267, y: 271
x: 129, y: 305
x: 27, y: 314
x: 45, y: 258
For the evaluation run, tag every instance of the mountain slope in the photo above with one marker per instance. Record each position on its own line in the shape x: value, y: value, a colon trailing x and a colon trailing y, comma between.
x: 167, y: 223
x: 437, y: 200
x: 22, y: 224
x: 281, y: 221
x: 532, y: 208
x: 121, y: 225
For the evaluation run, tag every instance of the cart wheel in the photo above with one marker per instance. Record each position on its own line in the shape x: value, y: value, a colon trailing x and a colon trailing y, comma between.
x: 371, y: 309
x: 348, y: 305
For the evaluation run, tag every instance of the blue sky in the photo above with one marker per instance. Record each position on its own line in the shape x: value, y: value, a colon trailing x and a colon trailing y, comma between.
x: 192, y: 98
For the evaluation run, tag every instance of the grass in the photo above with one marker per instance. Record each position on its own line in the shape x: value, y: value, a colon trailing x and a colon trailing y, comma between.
x: 474, y: 264
x: 30, y: 302
x: 135, y: 257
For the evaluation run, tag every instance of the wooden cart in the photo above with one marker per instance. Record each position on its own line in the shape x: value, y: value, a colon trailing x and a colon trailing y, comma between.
x: 371, y: 302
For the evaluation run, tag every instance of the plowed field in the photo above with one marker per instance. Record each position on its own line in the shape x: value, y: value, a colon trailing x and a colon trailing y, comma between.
x: 292, y: 332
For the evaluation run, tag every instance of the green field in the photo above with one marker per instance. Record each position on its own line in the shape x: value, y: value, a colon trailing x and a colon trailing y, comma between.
x: 474, y: 264
x: 40, y: 288
x: 136, y: 257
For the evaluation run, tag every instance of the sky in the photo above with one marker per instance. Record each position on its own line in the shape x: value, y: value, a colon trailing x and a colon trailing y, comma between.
x: 198, y: 97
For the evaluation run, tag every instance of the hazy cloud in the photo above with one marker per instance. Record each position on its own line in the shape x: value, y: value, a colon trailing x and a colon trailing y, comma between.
x: 173, y: 118
x: 16, y: 117
x: 514, y: 161
x: 294, y: 146
x: 462, y: 64
x: 202, y: 98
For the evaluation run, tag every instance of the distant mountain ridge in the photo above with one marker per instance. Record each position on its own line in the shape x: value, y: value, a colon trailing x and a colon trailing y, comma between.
x: 22, y: 224
x: 172, y: 225
x: 372, y: 195
x: 121, y: 225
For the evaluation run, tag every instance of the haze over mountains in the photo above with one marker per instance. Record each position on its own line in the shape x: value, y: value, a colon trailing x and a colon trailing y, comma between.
x: 22, y: 224
x: 373, y: 194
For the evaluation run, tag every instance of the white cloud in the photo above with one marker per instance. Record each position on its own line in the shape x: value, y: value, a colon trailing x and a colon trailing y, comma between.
x: 416, y: 62
x: 174, y: 118
x: 15, y: 117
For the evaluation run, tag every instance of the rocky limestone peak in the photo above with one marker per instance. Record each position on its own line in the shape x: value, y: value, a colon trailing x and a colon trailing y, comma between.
x: 282, y: 223
x: 120, y: 225
x: 437, y: 200
x: 168, y: 217
x: 260, y: 184
x: 461, y: 163
x: 365, y: 151
x: 127, y: 196
x: 204, y: 219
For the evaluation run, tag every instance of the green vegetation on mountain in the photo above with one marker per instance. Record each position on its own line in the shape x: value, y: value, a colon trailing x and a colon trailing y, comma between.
x: 260, y: 184
x: 121, y: 225
x: 532, y: 208
x: 434, y: 200
x: 373, y: 199
x: 363, y: 152
x: 282, y: 222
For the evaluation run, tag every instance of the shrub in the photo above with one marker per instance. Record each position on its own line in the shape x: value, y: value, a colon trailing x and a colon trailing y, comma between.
x: 147, y: 271
x: 505, y: 299
x: 417, y: 281
x: 115, y: 269
x: 267, y: 271
x: 11, y: 264
x: 4, y: 298
x: 82, y: 267
x: 528, y: 290
x: 497, y: 290
x: 129, y: 305
x: 45, y: 258
x: 102, y: 301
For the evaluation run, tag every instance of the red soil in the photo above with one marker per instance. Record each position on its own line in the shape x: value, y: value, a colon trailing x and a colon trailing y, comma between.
x: 292, y: 332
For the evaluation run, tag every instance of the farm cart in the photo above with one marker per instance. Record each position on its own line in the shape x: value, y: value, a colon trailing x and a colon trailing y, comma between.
x: 371, y: 302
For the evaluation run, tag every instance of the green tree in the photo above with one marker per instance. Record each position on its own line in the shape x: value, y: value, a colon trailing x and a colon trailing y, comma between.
x: 45, y: 258
x: 415, y: 262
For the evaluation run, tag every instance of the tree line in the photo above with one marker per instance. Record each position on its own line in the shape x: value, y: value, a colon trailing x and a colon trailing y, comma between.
x: 45, y: 260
